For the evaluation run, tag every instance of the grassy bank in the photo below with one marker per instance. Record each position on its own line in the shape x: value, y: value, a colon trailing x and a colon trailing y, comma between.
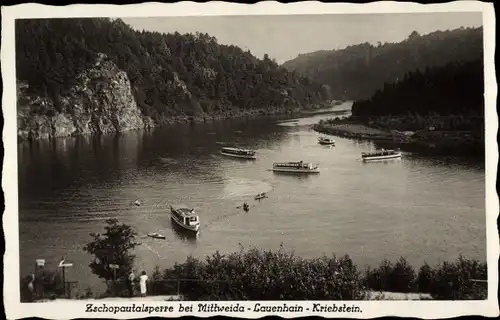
x: 433, y: 137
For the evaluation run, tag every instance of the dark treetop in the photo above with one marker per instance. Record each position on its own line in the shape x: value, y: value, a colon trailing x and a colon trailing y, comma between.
x: 454, y: 89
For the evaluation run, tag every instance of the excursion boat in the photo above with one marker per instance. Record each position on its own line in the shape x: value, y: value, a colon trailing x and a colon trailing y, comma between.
x: 381, y: 155
x: 185, y: 218
x: 326, y: 141
x: 238, y: 153
x: 295, y: 167
x: 156, y: 235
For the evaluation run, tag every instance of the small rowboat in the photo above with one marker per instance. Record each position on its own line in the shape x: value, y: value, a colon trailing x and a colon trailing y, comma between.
x: 261, y: 196
x: 156, y: 235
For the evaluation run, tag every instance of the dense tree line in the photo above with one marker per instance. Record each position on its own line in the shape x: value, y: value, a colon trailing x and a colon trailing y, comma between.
x: 357, y: 71
x: 52, y: 52
x: 454, y: 89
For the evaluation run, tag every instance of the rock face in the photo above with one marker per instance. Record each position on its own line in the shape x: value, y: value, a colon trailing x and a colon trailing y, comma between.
x: 100, y: 102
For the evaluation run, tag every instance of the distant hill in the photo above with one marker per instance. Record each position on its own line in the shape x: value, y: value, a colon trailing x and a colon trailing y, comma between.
x: 170, y: 74
x: 357, y: 71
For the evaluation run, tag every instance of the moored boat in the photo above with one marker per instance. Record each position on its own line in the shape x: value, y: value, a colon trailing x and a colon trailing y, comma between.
x: 326, y: 141
x: 156, y: 235
x: 186, y: 218
x: 295, y: 167
x: 381, y: 155
x: 238, y: 153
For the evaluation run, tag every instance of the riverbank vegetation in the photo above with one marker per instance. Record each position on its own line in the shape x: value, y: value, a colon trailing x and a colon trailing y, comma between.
x: 256, y: 274
x: 357, y: 71
x: 281, y: 275
x: 453, y: 94
x: 440, y: 110
x: 171, y: 74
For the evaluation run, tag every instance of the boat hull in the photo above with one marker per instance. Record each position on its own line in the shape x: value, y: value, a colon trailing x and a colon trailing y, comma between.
x: 326, y: 143
x: 194, y: 229
x: 304, y: 171
x: 157, y: 237
x: 240, y: 156
x: 387, y: 157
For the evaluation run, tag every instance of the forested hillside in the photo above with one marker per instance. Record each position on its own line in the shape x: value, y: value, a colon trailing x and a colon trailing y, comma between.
x: 170, y: 74
x: 457, y: 88
x: 356, y: 72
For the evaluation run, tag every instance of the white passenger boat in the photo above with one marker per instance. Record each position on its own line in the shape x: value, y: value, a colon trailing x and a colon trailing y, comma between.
x: 186, y: 218
x: 381, y: 155
x: 326, y: 141
x: 238, y: 153
x: 295, y: 167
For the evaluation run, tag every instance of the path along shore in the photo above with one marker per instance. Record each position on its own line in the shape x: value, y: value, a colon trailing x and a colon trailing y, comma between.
x: 371, y: 295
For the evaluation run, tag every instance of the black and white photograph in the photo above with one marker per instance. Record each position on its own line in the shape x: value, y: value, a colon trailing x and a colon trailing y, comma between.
x: 176, y: 159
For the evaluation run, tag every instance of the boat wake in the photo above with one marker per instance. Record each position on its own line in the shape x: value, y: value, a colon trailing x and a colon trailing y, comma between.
x: 153, y: 251
x: 242, y: 187
x: 168, y: 160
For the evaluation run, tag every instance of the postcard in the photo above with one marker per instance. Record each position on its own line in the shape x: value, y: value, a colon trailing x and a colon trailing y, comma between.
x: 333, y: 160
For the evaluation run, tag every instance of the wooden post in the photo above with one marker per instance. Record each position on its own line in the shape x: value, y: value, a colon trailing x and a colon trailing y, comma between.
x: 38, y: 285
x: 64, y: 265
x: 114, y: 267
x: 64, y: 280
x: 178, y: 287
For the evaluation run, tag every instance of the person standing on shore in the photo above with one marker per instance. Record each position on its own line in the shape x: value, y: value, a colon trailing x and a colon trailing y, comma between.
x: 130, y: 283
x: 142, y: 281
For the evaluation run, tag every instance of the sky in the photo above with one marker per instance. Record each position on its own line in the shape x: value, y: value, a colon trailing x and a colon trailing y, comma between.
x: 284, y: 37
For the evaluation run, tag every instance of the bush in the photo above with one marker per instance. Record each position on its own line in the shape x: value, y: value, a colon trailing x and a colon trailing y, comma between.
x: 378, y: 279
x: 448, y: 281
x: 425, y: 278
x: 402, y: 278
x: 47, y: 284
x: 452, y: 280
x: 267, y: 275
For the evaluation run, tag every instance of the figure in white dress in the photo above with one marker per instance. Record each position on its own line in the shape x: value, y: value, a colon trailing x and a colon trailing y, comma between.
x: 142, y: 281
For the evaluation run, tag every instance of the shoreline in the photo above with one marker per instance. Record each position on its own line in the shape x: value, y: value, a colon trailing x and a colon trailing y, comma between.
x: 426, y: 141
x: 198, y: 119
x: 385, y: 282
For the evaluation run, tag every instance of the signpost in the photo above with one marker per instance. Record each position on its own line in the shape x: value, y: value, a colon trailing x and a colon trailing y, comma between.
x: 36, y: 284
x: 114, y: 267
x: 64, y: 265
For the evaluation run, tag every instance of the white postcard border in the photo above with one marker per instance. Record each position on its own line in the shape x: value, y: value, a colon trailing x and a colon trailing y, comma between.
x: 72, y: 309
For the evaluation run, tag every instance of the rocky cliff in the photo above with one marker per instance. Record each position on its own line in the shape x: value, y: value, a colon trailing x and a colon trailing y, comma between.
x: 100, y: 102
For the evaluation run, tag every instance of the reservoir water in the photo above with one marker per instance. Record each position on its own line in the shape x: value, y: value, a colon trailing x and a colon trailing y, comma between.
x: 425, y: 209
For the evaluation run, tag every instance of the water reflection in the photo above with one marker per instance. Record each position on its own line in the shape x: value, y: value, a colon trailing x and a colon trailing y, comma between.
x: 434, y: 208
x: 296, y: 176
x: 184, y: 235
